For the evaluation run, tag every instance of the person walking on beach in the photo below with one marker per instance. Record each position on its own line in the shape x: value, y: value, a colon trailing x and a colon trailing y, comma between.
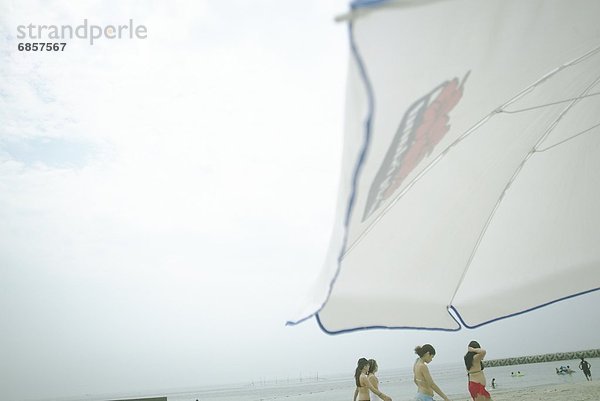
x: 586, y: 367
x: 371, y: 373
x: 359, y: 391
x: 474, y: 365
x: 422, y: 378
x: 363, y: 384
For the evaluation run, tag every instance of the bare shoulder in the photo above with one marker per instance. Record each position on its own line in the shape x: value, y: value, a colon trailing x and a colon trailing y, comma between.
x: 421, y: 368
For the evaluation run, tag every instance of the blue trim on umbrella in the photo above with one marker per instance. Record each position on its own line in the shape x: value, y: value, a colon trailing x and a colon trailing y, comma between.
x: 357, y: 167
x: 388, y: 327
x: 366, y: 3
x: 462, y: 321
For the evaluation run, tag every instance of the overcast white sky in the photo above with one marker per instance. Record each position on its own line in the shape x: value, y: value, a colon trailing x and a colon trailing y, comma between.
x: 166, y: 203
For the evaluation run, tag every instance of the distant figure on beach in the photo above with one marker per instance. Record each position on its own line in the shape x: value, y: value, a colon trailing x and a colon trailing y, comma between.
x: 493, y: 382
x: 422, y: 378
x: 587, y: 369
x: 474, y: 364
x: 363, y: 385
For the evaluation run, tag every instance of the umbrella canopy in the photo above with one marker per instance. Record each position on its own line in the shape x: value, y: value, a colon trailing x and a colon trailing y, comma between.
x: 470, y: 189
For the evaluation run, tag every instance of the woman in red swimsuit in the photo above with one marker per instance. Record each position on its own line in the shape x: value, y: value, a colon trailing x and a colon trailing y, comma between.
x: 474, y: 364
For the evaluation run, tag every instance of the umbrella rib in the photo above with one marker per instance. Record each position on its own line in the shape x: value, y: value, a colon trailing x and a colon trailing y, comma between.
x: 369, y: 7
x: 550, y: 104
x: 569, y: 138
x: 512, y: 179
x: 468, y: 132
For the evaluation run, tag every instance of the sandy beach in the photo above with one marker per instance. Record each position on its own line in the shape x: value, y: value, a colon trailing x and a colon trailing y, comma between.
x: 587, y: 391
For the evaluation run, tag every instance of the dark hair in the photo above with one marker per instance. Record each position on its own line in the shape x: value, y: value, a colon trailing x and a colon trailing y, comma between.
x: 423, y: 349
x: 372, y: 366
x: 362, y: 362
x: 469, y: 355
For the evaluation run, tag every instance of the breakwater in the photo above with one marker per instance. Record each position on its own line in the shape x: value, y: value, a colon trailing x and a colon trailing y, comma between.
x: 558, y: 356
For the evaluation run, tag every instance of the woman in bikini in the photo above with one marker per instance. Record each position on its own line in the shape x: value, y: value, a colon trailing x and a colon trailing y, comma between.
x: 422, y: 378
x: 474, y: 365
x: 371, y: 373
x: 364, y: 384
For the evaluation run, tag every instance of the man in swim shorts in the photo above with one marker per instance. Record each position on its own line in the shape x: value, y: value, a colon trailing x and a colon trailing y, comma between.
x: 586, y: 367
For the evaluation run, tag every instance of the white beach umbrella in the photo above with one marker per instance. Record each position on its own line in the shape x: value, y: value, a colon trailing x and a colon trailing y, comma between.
x: 470, y: 189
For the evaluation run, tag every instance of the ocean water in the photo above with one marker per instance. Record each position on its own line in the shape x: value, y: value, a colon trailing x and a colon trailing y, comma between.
x: 398, y: 384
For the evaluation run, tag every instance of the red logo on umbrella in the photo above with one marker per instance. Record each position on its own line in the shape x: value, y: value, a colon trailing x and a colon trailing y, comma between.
x: 423, y: 126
